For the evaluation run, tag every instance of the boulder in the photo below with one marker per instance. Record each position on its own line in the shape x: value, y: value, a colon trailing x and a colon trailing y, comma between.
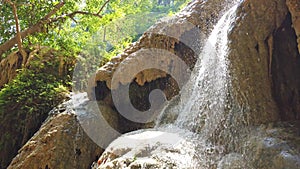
x: 60, y: 143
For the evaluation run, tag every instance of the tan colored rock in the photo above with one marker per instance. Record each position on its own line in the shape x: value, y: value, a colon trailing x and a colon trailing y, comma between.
x: 294, y: 8
x: 13, y: 62
x: 8, y: 67
x: 250, y: 59
x: 174, y: 35
x: 40, y: 60
x: 264, y: 90
x: 60, y: 143
x: 266, y: 146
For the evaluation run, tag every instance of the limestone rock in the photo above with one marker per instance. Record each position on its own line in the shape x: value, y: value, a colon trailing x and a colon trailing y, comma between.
x: 73, y: 136
x: 17, y: 128
x: 263, y: 63
x: 60, y: 143
x: 41, y: 54
x: 250, y: 58
x: 148, y: 149
x: 180, y: 35
x: 294, y: 9
x: 271, y: 146
x: 8, y: 67
x: 232, y: 161
x: 262, y: 93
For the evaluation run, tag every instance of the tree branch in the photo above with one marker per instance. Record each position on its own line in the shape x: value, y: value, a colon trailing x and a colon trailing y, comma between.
x: 103, y: 7
x: 71, y: 15
x: 18, y: 35
x: 46, y: 20
x: 84, y: 13
x: 33, y: 29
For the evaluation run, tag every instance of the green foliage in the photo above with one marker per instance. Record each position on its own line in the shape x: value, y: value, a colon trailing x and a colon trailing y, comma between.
x: 35, y: 89
x: 26, y: 101
x: 119, y: 29
x: 97, y: 39
x: 123, y: 23
x: 31, y: 92
x: 24, y: 105
x: 29, y: 13
x: 72, y: 34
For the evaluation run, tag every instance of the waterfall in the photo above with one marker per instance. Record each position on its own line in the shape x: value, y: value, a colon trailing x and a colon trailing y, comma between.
x: 203, y: 99
x: 182, y: 130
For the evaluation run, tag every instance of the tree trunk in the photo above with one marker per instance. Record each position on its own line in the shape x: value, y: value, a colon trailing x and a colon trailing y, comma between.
x: 18, y: 36
x: 33, y: 29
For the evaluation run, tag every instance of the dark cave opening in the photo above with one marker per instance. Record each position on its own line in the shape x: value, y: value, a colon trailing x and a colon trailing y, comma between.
x: 286, y: 71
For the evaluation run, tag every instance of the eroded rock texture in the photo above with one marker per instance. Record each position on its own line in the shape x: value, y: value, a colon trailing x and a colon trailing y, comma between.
x: 264, y: 90
x: 8, y: 67
x: 265, y: 61
x: 181, y: 36
x: 60, y: 143
x: 259, y: 127
x: 37, y: 55
x: 17, y: 128
x: 294, y: 9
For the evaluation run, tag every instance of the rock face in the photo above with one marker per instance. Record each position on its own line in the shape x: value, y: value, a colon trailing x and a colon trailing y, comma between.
x: 60, y: 143
x: 179, y: 36
x: 264, y: 64
x: 250, y: 53
x: 25, y: 124
x: 270, y: 48
x: 266, y: 146
x: 294, y: 9
x: 259, y: 126
x: 273, y: 146
x: 9, y: 65
x: 176, y: 35
x: 149, y: 149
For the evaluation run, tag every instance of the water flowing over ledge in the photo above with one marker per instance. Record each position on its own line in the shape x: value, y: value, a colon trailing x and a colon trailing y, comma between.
x: 212, y: 124
x: 239, y: 109
x: 202, y: 104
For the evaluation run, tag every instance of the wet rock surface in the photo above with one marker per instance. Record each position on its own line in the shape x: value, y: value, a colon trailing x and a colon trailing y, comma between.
x: 180, y: 37
x: 259, y: 127
x: 273, y: 146
x: 265, y: 61
x: 148, y: 149
x: 250, y: 58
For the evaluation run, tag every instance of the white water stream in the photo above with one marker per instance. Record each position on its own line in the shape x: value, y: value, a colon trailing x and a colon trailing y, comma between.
x: 180, y: 135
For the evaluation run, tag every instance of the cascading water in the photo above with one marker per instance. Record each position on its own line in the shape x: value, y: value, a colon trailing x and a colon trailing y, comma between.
x: 183, y: 140
x: 210, y: 123
x: 204, y: 96
x: 224, y: 117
